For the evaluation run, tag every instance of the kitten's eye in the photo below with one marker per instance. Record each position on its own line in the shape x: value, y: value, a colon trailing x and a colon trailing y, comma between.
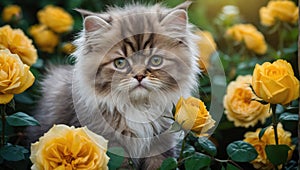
x: 120, y: 63
x: 156, y: 60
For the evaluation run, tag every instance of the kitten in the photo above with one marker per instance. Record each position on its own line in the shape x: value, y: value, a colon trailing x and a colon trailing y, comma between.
x: 132, y: 65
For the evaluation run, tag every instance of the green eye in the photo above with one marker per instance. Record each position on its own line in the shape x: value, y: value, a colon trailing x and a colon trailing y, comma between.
x: 120, y: 63
x: 156, y: 60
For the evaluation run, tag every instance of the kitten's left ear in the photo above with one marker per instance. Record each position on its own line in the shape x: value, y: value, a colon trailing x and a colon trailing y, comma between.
x: 177, y: 16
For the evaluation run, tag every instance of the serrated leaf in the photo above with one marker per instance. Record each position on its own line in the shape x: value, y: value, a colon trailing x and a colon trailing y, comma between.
x: 241, y: 151
x: 197, y: 162
x: 116, y: 155
x: 169, y: 164
x: 207, y: 146
x: 12, y: 153
x: 21, y: 119
x: 277, y: 154
x: 262, y: 132
x: 289, y: 117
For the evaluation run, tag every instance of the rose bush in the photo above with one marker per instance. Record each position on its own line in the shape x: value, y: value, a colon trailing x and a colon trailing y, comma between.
x: 284, y: 137
x: 275, y: 83
x: 15, y: 76
x: 18, y: 43
x: 64, y: 147
x: 247, y: 33
x: 285, y: 11
x: 240, y: 106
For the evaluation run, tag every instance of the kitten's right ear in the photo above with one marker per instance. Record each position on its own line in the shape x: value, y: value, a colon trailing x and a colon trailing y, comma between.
x: 94, y: 21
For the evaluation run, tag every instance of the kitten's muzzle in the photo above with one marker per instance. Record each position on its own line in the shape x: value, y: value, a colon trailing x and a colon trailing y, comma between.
x: 139, y: 77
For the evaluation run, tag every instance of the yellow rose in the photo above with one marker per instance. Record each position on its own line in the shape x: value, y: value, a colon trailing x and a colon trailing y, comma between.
x: 240, y: 106
x: 275, y: 83
x: 15, y: 76
x: 64, y: 147
x: 247, y: 33
x: 11, y: 12
x: 207, y: 47
x: 68, y: 48
x: 56, y: 19
x: 266, y: 17
x: 192, y: 115
x: 285, y: 11
x: 284, y: 137
x: 44, y: 38
x: 18, y: 43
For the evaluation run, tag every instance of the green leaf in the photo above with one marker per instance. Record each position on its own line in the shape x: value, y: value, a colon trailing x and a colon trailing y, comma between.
x: 241, y: 151
x: 116, y: 155
x: 262, y: 132
x: 197, y: 162
x: 289, y: 117
x: 188, y: 150
x: 21, y: 119
x: 231, y: 167
x: 11, y: 104
x: 12, y: 153
x: 277, y: 154
x: 23, y: 98
x: 207, y: 146
x: 169, y: 164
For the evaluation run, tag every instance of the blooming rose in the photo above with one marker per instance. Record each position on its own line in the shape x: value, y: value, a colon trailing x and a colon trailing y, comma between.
x: 56, y: 19
x: 11, y: 12
x: 275, y: 83
x: 207, y: 47
x: 44, y: 38
x: 284, y: 137
x: 240, y: 106
x: 64, y: 147
x: 18, y: 43
x: 192, y: 115
x: 247, y: 33
x: 285, y: 11
x: 15, y: 76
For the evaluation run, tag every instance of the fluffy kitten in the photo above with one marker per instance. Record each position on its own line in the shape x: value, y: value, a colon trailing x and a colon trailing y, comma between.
x: 132, y: 64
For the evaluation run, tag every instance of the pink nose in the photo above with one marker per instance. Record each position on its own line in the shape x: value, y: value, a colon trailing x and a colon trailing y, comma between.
x: 139, y: 77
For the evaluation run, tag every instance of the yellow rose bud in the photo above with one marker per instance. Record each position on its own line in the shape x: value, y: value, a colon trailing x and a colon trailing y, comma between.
x: 240, y: 106
x: 15, y: 76
x: 275, y: 83
x: 192, y: 115
x: 11, y: 12
x: 207, y: 47
x: 56, y: 18
x: 68, y: 48
x: 247, y: 33
x: 64, y: 147
x: 284, y: 137
x: 18, y: 43
x: 44, y: 38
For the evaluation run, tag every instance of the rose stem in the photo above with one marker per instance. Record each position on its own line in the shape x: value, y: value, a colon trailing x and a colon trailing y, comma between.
x: 3, y: 114
x: 274, y: 122
x: 182, y: 147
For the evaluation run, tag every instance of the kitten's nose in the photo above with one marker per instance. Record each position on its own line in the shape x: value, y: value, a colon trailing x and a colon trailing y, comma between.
x: 139, y: 77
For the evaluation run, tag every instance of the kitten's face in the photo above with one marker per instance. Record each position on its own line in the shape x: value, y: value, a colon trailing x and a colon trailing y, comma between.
x: 139, y: 56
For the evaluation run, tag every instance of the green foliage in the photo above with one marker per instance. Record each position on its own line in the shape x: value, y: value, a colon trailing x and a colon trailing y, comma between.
x: 241, y: 151
x: 169, y: 164
x: 207, y: 146
x: 197, y: 161
x: 277, y: 154
x: 21, y: 119
x: 116, y: 155
x: 13, y: 152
